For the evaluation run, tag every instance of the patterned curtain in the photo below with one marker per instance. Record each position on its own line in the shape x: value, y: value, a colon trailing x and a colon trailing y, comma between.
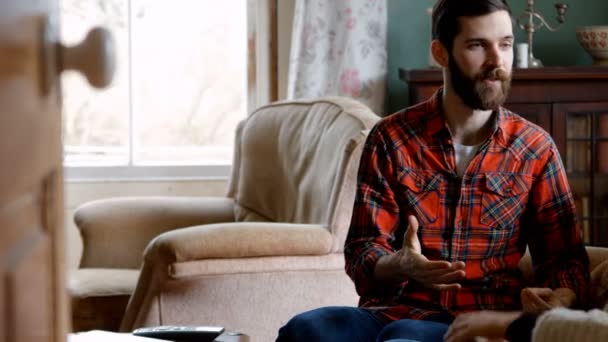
x: 339, y: 48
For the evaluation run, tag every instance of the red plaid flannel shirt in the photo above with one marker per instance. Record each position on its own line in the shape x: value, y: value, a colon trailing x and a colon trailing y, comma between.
x: 514, y: 193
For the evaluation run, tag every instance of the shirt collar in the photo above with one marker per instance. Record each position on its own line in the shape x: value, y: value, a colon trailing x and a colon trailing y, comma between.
x: 437, y: 126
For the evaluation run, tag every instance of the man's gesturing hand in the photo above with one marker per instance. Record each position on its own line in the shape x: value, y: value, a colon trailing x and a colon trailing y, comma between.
x: 410, y: 263
x: 440, y: 275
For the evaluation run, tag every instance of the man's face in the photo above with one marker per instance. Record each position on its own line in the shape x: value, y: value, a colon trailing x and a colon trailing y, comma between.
x: 481, y: 60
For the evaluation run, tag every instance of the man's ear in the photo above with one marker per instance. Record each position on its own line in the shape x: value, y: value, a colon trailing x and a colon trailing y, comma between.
x: 440, y: 53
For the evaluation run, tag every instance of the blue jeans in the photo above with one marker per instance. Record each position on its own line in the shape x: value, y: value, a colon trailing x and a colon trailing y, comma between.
x: 336, y: 324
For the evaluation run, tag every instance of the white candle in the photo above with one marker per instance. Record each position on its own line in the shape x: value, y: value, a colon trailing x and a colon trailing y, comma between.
x: 521, y: 55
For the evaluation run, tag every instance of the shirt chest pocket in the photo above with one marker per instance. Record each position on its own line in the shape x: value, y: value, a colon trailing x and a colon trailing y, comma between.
x: 420, y: 192
x: 504, y: 199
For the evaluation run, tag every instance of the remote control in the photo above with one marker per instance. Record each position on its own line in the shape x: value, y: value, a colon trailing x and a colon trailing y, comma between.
x: 181, y: 333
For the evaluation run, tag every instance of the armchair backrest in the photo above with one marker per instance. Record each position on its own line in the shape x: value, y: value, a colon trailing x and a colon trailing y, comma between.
x: 297, y: 161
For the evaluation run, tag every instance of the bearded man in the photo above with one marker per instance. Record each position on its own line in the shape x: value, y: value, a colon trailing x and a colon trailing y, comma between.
x: 450, y: 194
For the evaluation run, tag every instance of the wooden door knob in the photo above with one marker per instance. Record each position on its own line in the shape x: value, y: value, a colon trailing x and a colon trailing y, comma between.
x: 94, y: 57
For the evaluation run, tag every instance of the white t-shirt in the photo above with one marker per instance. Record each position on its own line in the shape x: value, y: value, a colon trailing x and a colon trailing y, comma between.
x: 464, y: 154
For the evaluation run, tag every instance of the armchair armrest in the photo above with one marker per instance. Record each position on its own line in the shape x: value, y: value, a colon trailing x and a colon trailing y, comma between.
x: 239, y: 240
x: 186, y: 246
x: 599, y: 285
x: 115, y: 231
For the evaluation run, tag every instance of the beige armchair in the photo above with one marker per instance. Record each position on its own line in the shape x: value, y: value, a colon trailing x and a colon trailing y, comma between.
x: 268, y: 250
x: 248, y: 261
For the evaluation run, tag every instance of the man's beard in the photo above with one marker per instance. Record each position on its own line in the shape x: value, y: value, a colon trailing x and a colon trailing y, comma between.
x: 474, y: 93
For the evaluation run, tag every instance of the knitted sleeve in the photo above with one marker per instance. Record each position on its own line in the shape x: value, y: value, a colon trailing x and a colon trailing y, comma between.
x: 571, y: 325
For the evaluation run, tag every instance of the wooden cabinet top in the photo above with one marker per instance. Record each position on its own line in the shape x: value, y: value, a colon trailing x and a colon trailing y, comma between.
x: 533, y: 85
x: 538, y: 74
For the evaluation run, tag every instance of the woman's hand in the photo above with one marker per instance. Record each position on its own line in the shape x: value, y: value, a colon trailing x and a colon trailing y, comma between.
x: 489, y: 324
x: 538, y: 300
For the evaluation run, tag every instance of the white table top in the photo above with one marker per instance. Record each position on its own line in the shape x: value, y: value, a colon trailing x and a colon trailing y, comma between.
x: 105, y: 336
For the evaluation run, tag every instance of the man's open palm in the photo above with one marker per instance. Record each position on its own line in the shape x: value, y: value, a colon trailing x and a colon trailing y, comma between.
x: 440, y: 275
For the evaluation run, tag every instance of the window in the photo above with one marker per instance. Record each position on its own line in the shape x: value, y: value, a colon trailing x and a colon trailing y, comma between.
x: 180, y: 88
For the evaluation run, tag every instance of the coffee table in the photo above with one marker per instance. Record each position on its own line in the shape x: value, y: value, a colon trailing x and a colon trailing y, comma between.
x: 103, y: 336
x: 232, y: 337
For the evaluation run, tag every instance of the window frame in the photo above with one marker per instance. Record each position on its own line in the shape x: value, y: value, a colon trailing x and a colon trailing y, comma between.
x: 262, y: 88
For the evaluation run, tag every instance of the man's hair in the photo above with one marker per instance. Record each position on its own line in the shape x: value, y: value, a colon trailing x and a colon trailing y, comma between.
x: 447, y: 12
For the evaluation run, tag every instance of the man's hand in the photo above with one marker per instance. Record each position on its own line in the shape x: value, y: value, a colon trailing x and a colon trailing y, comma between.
x: 537, y: 300
x: 489, y: 324
x: 410, y: 263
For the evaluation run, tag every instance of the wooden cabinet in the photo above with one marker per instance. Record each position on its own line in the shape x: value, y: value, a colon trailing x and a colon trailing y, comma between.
x: 571, y: 103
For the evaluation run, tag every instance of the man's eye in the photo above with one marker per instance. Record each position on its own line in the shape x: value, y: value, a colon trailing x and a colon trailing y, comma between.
x: 507, y: 45
x: 474, y: 45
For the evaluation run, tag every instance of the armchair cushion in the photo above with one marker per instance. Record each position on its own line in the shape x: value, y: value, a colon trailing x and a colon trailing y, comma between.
x: 94, y: 282
x: 99, y: 297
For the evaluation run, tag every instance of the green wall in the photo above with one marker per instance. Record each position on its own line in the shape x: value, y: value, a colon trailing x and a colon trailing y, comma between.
x: 409, y: 32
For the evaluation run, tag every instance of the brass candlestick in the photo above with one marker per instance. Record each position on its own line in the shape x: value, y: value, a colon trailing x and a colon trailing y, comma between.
x: 526, y: 21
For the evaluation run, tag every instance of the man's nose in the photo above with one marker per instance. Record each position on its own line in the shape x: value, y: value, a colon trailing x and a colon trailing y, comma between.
x: 494, y: 56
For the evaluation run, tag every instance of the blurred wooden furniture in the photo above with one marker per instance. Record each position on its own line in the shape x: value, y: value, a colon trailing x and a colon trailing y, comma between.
x: 33, y: 301
x: 571, y: 103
